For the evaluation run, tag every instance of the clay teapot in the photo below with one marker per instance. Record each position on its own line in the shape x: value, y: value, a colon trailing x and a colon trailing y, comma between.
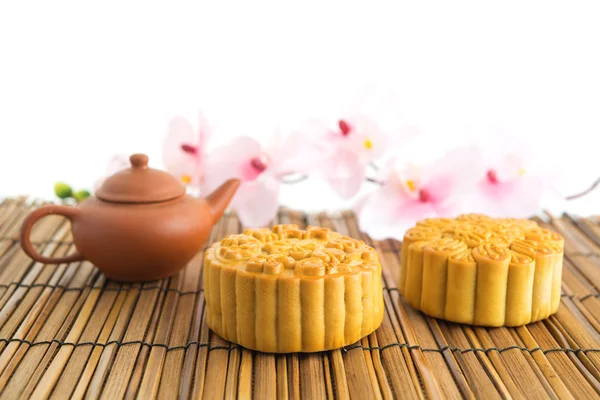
x: 139, y: 226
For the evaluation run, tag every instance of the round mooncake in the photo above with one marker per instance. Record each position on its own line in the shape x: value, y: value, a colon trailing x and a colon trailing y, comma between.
x: 285, y: 289
x: 482, y: 271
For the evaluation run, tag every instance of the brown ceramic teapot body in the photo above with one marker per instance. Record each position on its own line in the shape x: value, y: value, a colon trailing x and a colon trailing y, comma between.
x: 131, y: 240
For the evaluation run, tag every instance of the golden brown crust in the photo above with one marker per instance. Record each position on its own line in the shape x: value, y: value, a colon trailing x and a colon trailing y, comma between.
x: 314, y: 252
x: 480, y: 270
x: 287, y: 289
x: 477, y: 229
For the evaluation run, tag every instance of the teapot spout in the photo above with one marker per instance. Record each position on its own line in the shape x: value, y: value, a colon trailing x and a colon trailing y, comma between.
x: 220, y: 198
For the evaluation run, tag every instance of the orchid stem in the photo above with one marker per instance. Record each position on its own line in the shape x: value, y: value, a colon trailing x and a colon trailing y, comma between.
x: 304, y: 177
x: 585, y: 192
x: 375, y: 181
x: 297, y: 180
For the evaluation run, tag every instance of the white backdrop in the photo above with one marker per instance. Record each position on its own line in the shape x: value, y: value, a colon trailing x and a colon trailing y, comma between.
x: 80, y: 82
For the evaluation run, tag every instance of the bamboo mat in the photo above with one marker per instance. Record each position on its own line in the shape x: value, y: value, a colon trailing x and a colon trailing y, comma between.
x: 65, y: 331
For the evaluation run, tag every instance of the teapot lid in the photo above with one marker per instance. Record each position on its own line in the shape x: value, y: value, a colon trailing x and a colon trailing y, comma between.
x: 140, y: 184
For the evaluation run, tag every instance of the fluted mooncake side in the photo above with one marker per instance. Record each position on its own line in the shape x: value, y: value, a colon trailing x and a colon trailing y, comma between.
x: 285, y: 289
x: 482, y: 271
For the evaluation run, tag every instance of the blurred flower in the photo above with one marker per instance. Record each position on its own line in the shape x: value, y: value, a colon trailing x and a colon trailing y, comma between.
x: 260, y: 169
x: 346, y: 150
x: 511, y: 182
x: 184, y: 150
x: 507, y: 190
x: 413, y: 193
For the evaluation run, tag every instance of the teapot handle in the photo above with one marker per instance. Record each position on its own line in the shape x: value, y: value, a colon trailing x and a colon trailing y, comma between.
x: 31, y: 219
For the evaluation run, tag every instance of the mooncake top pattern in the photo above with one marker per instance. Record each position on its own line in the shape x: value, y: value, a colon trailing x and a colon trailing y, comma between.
x: 286, y: 250
x: 472, y: 237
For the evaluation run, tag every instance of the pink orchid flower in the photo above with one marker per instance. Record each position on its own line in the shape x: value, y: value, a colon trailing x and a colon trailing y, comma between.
x: 510, y: 184
x: 346, y: 149
x: 260, y: 169
x: 414, y: 193
x: 184, y: 150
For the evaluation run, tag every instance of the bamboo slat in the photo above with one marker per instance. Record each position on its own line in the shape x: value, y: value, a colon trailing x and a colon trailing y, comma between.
x: 67, y: 332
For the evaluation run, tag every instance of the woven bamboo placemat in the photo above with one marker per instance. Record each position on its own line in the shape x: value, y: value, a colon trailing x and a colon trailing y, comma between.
x: 65, y: 331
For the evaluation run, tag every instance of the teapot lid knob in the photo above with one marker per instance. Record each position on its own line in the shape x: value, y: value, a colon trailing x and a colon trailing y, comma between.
x: 140, y: 184
x: 139, y: 161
